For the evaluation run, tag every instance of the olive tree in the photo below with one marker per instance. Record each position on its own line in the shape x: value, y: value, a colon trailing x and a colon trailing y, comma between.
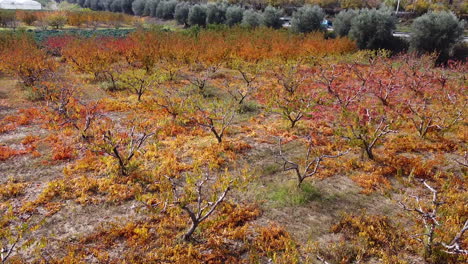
x: 165, y: 9
x: 372, y: 29
x: 197, y: 15
x: 126, y: 6
x: 251, y: 18
x: 342, y: 22
x: 181, y: 13
x: 272, y: 17
x: 216, y: 13
x: 307, y: 19
x: 151, y: 7
x: 234, y: 15
x: 116, y: 6
x: 436, y: 32
x: 138, y: 7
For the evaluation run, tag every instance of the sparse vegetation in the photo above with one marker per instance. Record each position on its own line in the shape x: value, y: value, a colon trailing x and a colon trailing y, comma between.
x: 227, y: 144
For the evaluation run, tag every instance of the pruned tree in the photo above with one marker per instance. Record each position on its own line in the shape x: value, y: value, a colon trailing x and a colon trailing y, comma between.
x: 454, y: 246
x: 13, y: 233
x: 82, y: 116
x: 292, y: 99
x: 246, y: 83
x: 368, y: 132
x: 429, y: 215
x: 294, y: 109
x: 215, y: 116
x: 464, y: 162
x: 289, y: 76
x: 309, y: 166
x: 384, y: 84
x: 341, y: 84
x: 200, y: 78
x: 122, y: 146
x: 138, y: 81
x: 199, y: 199
x: 173, y: 101
x: 427, y: 116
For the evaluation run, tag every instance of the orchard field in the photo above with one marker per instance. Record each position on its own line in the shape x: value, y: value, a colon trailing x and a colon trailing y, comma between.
x: 229, y: 146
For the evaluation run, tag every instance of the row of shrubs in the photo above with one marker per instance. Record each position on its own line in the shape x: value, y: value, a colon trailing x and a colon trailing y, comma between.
x: 58, y: 19
x: 370, y: 28
x: 373, y: 29
x: 417, y: 6
x: 189, y: 14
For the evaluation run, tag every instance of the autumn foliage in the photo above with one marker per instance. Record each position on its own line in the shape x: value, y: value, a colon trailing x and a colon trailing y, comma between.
x: 181, y: 137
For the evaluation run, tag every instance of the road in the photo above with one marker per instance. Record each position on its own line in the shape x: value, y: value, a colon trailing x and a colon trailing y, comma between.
x: 407, y: 35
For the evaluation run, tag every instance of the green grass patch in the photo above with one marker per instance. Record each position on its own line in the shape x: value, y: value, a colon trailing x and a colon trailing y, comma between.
x: 270, y: 169
x: 289, y: 194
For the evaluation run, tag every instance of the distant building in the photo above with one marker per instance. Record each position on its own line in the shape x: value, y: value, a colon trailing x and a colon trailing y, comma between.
x: 20, y: 4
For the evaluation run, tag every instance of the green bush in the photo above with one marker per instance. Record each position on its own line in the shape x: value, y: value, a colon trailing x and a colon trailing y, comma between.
x: 436, y: 32
x: 272, y: 17
x: 147, y: 9
x: 126, y: 6
x: 372, y: 29
x: 216, y: 13
x: 165, y: 9
x: 251, y: 18
x: 138, y: 7
x: 234, y: 15
x: 307, y: 19
x: 181, y: 13
x: 57, y: 21
x: 116, y: 6
x: 152, y: 7
x: 197, y: 15
x: 342, y: 22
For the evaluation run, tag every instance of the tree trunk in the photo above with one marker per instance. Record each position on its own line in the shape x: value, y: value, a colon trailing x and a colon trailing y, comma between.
x: 190, y: 231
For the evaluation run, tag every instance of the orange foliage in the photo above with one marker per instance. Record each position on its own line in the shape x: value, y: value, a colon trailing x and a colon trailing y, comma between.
x: 368, y: 236
x: 272, y: 238
x: 22, y: 118
x: 7, y: 152
x: 23, y: 59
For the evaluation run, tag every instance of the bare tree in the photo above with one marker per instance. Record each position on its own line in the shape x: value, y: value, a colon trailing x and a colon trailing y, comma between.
x: 431, y: 223
x: 200, y: 79
x: 344, y: 95
x: 311, y: 165
x: 217, y: 119
x: 368, y: 139
x: 426, y: 119
x: 123, y: 148
x: 6, y: 251
x: 454, y: 246
x: 139, y: 81
x: 289, y: 77
x: 12, y: 238
x: 241, y: 92
x: 464, y: 162
x: 202, y: 207
x: 172, y: 101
